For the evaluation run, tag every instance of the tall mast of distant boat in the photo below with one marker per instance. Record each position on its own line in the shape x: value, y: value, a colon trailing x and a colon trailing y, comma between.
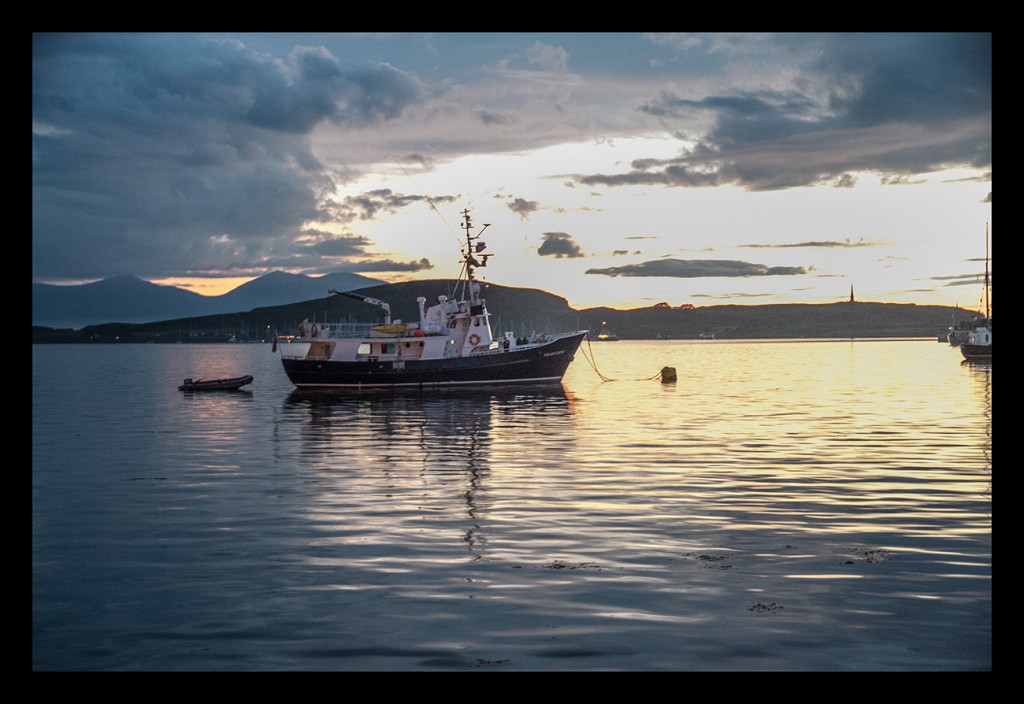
x: 988, y: 310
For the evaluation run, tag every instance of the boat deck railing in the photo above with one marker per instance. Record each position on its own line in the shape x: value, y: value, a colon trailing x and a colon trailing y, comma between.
x: 356, y: 330
x: 343, y: 329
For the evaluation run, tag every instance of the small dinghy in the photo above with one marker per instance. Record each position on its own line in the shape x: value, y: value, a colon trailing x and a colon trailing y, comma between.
x: 232, y: 384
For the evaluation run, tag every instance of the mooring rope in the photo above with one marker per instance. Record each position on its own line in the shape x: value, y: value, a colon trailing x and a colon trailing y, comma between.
x: 590, y: 358
x: 593, y: 365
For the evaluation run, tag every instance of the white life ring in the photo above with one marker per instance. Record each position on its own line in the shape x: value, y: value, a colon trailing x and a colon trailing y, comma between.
x: 474, y: 339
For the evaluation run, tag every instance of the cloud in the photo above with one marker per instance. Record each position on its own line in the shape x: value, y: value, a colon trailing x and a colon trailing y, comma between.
x: 821, y: 244
x: 523, y: 207
x: 343, y: 246
x: 385, y: 265
x: 494, y: 118
x: 539, y: 62
x: 158, y: 154
x: 893, y: 104
x: 697, y: 268
x: 367, y: 206
x: 679, y: 41
x: 548, y: 58
x: 164, y: 154
x: 965, y: 280
x: 559, y: 245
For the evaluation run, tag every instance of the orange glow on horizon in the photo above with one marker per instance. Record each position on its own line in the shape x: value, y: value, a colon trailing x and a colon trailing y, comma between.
x: 205, y: 286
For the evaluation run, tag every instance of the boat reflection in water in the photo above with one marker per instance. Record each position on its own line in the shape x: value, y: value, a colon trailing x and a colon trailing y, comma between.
x: 396, y: 461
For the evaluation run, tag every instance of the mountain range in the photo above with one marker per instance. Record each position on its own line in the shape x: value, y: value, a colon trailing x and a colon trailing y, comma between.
x: 129, y: 299
x: 526, y: 311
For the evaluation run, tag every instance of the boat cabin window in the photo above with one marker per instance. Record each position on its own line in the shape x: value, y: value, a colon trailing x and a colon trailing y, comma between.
x: 364, y: 348
x: 387, y: 348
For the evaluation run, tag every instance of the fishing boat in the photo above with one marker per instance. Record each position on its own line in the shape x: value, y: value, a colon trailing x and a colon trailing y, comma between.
x: 229, y: 384
x: 977, y: 348
x: 451, y: 344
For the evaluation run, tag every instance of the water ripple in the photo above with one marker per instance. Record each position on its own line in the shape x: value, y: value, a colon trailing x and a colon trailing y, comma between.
x: 784, y: 505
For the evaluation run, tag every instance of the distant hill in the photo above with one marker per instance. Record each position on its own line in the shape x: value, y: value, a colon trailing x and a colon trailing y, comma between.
x: 525, y: 311
x: 128, y: 299
x: 279, y: 288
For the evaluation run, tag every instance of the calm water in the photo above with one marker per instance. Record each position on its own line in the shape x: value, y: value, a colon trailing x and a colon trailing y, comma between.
x: 813, y: 505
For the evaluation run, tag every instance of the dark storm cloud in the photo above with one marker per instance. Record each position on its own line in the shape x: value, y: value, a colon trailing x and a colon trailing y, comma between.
x: 153, y: 153
x: 318, y: 88
x: 348, y: 246
x: 559, y: 245
x: 894, y: 104
x: 347, y: 253
x: 697, y: 268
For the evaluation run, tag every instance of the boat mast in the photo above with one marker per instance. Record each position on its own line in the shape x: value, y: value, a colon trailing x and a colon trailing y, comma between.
x: 469, y: 259
x: 988, y: 310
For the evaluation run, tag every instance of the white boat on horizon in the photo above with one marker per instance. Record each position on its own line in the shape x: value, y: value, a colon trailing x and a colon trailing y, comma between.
x: 977, y: 348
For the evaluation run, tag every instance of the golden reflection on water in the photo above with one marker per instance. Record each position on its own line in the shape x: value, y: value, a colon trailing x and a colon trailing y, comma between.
x: 841, y: 438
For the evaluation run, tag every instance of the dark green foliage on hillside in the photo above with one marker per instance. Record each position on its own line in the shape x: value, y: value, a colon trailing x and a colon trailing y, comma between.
x: 524, y: 311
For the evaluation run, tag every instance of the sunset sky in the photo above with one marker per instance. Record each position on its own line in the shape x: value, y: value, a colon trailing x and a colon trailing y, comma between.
x: 614, y: 169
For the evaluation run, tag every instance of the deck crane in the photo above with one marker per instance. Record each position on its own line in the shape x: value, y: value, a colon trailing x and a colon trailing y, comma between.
x: 367, y: 299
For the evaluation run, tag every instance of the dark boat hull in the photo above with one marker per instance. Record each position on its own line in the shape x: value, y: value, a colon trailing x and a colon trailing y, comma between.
x: 536, y: 365
x: 976, y: 353
x: 957, y: 337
